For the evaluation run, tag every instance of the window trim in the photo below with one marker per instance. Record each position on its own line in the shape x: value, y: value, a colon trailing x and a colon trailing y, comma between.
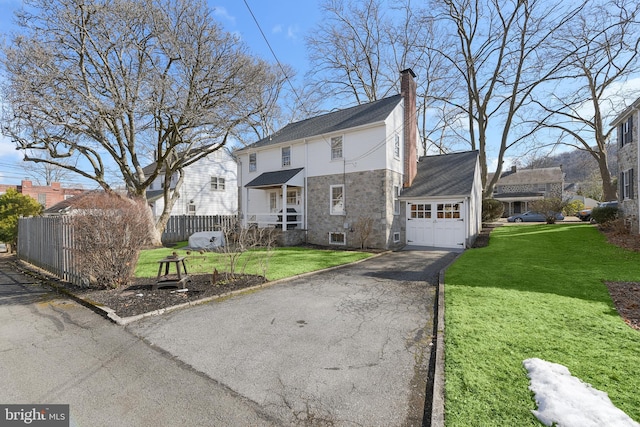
x: 286, y: 160
x: 338, y: 233
x: 396, y: 146
x: 333, y: 149
x: 253, y: 164
x: 220, y: 183
x: 396, y: 236
x: 332, y: 211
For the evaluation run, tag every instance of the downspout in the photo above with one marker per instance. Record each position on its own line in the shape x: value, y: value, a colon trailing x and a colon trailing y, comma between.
x: 305, y: 192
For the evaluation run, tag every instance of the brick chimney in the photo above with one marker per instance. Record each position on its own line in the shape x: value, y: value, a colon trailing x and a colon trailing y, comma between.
x: 408, y: 92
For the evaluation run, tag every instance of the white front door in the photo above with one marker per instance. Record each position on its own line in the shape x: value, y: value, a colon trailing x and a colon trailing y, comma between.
x: 437, y: 224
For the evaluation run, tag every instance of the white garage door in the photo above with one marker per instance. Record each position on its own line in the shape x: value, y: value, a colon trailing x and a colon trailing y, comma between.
x: 438, y: 224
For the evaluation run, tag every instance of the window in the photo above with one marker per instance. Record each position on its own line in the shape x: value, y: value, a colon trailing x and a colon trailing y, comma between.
x: 337, y: 239
x: 625, y: 132
x: 253, y: 164
x: 396, y: 202
x: 337, y: 199
x: 191, y: 209
x: 286, y: 156
x: 217, y: 183
x: 396, y: 147
x: 448, y: 210
x: 420, y: 211
x: 273, y: 202
x: 292, y: 197
x: 627, y: 184
x: 336, y: 147
x: 396, y: 237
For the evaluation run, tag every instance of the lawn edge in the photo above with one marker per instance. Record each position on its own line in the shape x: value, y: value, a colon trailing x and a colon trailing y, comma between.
x: 111, y: 315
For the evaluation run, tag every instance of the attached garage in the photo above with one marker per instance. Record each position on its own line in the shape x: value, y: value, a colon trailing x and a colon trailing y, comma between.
x: 444, y: 203
x: 436, y: 223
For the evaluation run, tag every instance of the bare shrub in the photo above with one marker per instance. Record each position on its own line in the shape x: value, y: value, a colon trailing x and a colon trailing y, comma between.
x: 549, y: 207
x: 363, y: 227
x: 108, y: 232
x: 245, y: 240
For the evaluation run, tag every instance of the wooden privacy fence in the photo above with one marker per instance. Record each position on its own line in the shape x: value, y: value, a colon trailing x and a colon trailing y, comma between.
x: 180, y: 227
x: 47, y: 243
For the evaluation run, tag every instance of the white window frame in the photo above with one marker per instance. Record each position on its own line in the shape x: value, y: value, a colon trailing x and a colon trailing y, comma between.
x: 341, y: 242
x: 337, y: 147
x: 396, y: 201
x: 218, y: 183
x: 396, y: 237
x: 273, y: 202
x: 191, y: 209
x: 396, y: 146
x: 253, y: 162
x: 626, y: 185
x: 286, y: 156
x: 333, y: 202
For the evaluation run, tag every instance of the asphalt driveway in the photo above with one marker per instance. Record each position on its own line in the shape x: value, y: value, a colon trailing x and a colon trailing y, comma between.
x: 349, y: 346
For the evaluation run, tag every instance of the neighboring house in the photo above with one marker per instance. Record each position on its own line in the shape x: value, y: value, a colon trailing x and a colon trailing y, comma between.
x: 210, y: 187
x: 516, y: 189
x: 331, y: 179
x: 628, y: 163
x: 46, y: 195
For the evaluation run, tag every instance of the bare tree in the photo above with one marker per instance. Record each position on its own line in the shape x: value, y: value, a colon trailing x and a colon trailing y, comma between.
x: 601, y: 50
x: 497, y: 53
x: 45, y: 173
x: 127, y: 83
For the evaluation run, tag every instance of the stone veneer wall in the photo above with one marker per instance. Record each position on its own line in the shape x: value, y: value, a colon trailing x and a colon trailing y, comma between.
x: 367, y: 194
x: 555, y: 189
x: 628, y: 159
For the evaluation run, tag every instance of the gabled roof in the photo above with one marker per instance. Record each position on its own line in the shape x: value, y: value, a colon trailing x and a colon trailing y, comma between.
x: 530, y: 176
x: 444, y: 175
x: 359, y: 115
x: 625, y: 113
x: 268, y: 179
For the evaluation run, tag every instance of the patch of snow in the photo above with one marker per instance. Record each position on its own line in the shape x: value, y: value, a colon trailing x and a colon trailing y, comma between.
x: 567, y: 401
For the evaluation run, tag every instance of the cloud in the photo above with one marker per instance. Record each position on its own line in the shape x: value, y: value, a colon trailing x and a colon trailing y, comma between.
x: 277, y: 29
x: 292, y: 32
x: 222, y: 13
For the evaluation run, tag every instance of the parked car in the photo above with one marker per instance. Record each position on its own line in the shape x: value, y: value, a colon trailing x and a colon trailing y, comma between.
x: 611, y: 204
x: 584, y: 214
x: 531, y: 216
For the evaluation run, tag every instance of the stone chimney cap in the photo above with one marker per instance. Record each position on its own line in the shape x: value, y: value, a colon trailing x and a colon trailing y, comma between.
x: 408, y: 70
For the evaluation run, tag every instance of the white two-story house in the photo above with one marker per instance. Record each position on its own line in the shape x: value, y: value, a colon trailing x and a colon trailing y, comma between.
x: 326, y: 179
x: 210, y: 187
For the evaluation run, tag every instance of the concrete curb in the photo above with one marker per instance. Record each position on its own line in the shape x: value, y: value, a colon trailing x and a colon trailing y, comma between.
x: 437, y: 403
x: 110, y: 314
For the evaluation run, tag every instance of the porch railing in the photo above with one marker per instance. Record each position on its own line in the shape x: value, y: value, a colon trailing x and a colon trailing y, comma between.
x: 276, y: 219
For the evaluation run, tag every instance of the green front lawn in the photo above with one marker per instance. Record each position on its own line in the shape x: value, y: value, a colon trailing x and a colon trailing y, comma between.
x: 536, y: 291
x: 284, y: 262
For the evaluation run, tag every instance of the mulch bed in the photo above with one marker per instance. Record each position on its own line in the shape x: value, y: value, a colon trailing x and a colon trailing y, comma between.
x: 138, y: 297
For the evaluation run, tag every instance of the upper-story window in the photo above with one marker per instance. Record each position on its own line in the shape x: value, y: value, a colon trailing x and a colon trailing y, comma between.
x: 625, y: 132
x: 336, y: 147
x: 217, y: 183
x: 286, y: 156
x: 253, y: 164
x: 396, y: 147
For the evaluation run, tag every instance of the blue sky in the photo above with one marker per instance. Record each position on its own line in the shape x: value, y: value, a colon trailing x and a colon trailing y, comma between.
x: 284, y: 23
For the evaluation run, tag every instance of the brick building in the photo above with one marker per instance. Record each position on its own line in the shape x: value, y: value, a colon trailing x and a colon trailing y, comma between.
x: 46, y: 195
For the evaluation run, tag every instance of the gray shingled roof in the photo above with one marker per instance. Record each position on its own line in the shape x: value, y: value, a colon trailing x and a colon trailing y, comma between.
x: 274, y: 178
x: 444, y: 175
x: 530, y: 176
x: 359, y: 115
